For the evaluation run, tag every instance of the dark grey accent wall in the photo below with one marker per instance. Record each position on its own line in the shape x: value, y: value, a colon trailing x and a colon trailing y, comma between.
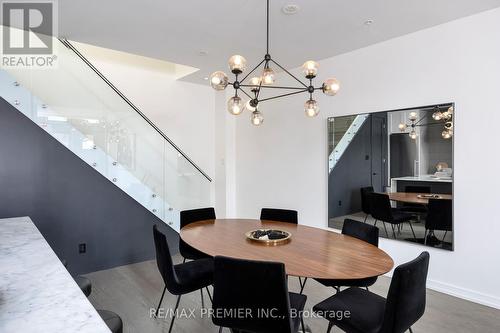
x: 352, y: 172
x: 69, y: 201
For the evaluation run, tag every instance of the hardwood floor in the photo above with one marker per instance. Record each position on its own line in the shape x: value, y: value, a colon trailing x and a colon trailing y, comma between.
x: 132, y: 290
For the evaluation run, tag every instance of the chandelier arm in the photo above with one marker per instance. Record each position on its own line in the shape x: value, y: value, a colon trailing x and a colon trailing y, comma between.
x: 425, y: 116
x: 253, y: 70
x: 267, y: 33
x: 243, y: 91
x: 302, y: 83
x: 284, y: 95
x: 272, y: 87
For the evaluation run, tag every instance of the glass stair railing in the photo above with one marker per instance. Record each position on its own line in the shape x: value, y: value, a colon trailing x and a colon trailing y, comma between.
x: 80, y: 108
x: 340, y: 146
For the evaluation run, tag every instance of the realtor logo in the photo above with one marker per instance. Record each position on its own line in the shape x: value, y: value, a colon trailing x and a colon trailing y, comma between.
x: 27, y: 33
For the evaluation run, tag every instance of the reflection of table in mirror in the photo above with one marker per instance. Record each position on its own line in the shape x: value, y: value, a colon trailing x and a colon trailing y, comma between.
x: 415, y: 197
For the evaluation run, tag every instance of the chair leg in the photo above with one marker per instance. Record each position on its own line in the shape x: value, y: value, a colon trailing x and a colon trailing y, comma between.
x: 412, y: 231
x: 209, y: 295
x: 175, y: 313
x: 411, y: 331
x: 184, y: 261
x: 375, y: 224
x: 330, y: 326
x: 202, y: 299
x: 302, y: 285
x: 161, y: 299
x: 366, y: 217
x: 445, y: 232
x: 425, y: 237
x: 386, y: 233
x: 393, y: 232
x: 302, y: 324
x: 220, y: 329
x: 367, y: 289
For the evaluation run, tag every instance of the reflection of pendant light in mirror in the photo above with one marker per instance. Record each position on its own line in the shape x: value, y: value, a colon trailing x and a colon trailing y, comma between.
x: 402, y: 127
x: 413, y: 135
x: 413, y: 116
x: 447, y: 134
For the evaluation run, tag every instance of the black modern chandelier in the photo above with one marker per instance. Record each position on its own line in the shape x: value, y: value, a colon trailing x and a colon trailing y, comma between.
x: 251, y: 86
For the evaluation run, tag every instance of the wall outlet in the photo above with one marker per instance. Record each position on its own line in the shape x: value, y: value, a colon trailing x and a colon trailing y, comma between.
x: 340, y: 203
x: 82, y: 248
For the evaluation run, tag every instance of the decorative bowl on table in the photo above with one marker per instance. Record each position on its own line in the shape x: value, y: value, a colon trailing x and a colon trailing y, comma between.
x: 269, y: 236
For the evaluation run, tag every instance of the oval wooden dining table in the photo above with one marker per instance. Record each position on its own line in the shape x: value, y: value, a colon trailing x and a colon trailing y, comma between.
x: 414, y: 197
x: 311, y: 252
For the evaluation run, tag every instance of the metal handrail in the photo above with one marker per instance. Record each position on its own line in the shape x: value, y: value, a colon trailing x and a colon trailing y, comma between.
x: 66, y: 43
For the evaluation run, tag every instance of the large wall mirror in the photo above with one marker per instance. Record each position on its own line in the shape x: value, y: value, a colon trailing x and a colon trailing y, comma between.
x: 394, y: 169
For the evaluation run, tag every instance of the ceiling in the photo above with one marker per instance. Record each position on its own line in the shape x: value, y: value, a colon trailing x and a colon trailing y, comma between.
x: 205, y: 33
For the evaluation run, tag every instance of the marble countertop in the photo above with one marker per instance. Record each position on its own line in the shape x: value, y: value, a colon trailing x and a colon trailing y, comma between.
x: 425, y: 178
x: 37, y: 294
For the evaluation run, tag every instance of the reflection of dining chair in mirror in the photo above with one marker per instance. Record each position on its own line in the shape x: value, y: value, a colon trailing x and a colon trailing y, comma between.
x: 365, y: 200
x: 381, y: 210
x: 439, y: 217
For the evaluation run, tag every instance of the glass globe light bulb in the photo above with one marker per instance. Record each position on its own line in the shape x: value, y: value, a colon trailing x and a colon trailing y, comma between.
x: 310, y: 69
x: 255, y: 82
x: 257, y: 118
x: 268, y: 76
x: 437, y: 116
x: 311, y: 107
x: 331, y: 87
x: 235, y: 105
x: 413, y: 116
x: 402, y: 127
x: 218, y: 80
x: 446, y: 134
x: 413, y: 135
x: 237, y: 64
x: 451, y: 110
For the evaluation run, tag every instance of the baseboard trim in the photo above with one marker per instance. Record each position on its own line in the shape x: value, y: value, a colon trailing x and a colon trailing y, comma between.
x: 467, y: 294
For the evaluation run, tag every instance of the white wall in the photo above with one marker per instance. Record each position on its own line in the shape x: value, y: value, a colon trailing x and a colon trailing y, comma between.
x: 283, y: 163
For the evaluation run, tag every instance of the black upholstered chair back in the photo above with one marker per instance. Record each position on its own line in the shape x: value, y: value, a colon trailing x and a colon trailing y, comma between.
x: 360, y: 230
x: 417, y: 189
x: 254, y: 286
x: 365, y: 199
x: 380, y: 207
x: 439, y: 216
x: 164, y: 261
x: 188, y: 217
x: 406, y: 298
x: 194, y: 215
x: 280, y: 215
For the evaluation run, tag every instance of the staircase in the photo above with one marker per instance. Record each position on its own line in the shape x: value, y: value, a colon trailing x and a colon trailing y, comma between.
x: 80, y: 108
x: 343, y: 130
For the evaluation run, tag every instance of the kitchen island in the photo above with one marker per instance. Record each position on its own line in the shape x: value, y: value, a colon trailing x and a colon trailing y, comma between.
x: 37, y: 294
x: 437, y: 185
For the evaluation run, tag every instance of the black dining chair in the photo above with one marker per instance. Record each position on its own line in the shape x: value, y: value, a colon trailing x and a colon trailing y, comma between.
x: 364, y: 232
x: 439, y: 217
x: 190, y: 216
x: 183, y: 278
x: 279, y: 215
x: 381, y: 209
x: 371, y: 313
x: 365, y: 200
x: 260, y: 288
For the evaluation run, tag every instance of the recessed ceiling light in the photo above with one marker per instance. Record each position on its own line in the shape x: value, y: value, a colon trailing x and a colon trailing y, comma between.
x: 368, y: 22
x: 290, y: 9
x: 202, y: 53
x: 205, y: 78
